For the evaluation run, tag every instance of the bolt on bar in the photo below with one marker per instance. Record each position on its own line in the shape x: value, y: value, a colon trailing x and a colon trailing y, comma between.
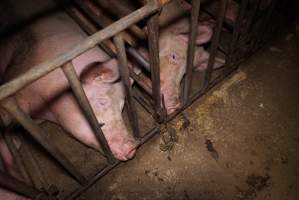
x: 42, y: 69
x: 39, y: 135
x: 124, y: 72
x: 81, y: 97
x: 191, y: 49
x: 153, y: 43
x: 215, y: 43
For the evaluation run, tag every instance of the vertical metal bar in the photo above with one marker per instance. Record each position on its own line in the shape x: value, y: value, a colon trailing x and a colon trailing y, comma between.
x: 191, y: 49
x: 124, y: 72
x: 17, y: 157
x: 39, y: 135
x: 215, y: 43
x: 80, y: 95
x: 12, y: 184
x: 153, y: 43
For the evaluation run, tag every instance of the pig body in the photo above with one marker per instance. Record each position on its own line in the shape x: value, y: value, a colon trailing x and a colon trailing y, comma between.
x: 49, y: 97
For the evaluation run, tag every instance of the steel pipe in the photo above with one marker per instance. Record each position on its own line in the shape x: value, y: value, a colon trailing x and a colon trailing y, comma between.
x: 42, y: 69
x: 191, y: 49
x: 124, y: 73
x: 215, y: 43
x: 81, y: 97
x: 39, y: 135
x: 153, y: 43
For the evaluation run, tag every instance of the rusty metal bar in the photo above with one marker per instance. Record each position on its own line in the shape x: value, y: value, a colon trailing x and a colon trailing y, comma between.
x: 215, y: 43
x: 12, y: 184
x: 153, y: 43
x: 17, y: 157
x: 89, y: 28
x: 124, y: 73
x: 81, y: 97
x: 38, y: 134
x: 191, y: 49
x: 42, y: 69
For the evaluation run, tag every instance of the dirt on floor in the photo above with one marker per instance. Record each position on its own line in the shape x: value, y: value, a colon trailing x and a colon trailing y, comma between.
x: 242, y: 142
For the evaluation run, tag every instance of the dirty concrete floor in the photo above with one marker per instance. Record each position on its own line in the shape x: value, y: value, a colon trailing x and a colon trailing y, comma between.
x: 242, y: 142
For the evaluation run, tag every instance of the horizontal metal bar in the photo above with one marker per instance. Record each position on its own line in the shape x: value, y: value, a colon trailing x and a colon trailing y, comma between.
x: 42, y: 69
x: 38, y: 134
x: 81, y: 97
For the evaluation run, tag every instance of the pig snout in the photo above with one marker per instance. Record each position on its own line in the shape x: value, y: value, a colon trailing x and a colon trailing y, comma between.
x: 123, y: 150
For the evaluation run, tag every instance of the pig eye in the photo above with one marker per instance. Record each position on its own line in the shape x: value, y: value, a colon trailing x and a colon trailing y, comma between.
x: 102, y: 102
x: 173, y: 57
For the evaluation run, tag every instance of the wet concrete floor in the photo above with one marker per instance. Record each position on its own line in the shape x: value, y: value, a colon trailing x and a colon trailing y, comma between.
x: 242, y: 142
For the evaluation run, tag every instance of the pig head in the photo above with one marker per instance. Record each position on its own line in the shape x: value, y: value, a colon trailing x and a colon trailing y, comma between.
x: 105, y: 93
x: 173, y: 55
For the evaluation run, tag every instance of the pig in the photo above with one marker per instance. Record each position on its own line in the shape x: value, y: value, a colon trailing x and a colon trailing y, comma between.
x: 173, y: 44
x: 49, y: 97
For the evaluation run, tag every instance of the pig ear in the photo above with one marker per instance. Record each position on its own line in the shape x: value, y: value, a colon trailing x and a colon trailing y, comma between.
x: 101, y: 72
x: 204, y: 33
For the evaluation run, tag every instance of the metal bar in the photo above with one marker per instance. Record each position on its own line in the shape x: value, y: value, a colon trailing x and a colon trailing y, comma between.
x: 42, y: 69
x: 124, y: 73
x: 89, y: 28
x: 191, y: 49
x: 12, y: 184
x: 153, y: 43
x: 17, y: 157
x: 39, y: 135
x: 80, y: 95
x: 139, y: 58
x: 215, y: 42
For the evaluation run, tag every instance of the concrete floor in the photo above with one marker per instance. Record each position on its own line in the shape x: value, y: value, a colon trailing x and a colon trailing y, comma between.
x: 242, y: 142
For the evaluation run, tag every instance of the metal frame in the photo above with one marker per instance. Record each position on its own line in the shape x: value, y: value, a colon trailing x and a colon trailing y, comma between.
x: 123, y: 32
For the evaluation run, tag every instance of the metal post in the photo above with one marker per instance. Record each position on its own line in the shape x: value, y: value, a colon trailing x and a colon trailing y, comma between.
x: 215, y: 43
x: 39, y: 135
x: 153, y: 43
x: 124, y: 72
x: 191, y: 49
x: 80, y: 95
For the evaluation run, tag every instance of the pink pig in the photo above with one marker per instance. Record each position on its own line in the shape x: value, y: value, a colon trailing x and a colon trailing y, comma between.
x: 173, y: 44
x: 49, y: 97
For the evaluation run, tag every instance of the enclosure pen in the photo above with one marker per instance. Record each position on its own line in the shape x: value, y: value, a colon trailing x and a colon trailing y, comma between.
x: 234, y: 41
